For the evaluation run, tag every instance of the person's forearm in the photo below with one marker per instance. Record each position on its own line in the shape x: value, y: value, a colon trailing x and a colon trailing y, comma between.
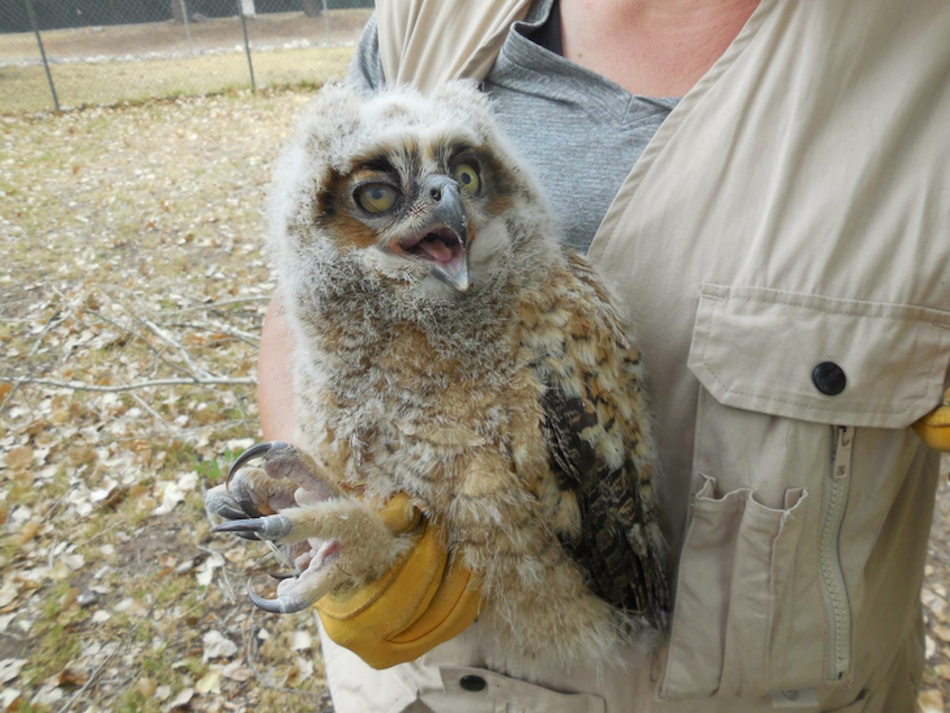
x: 275, y: 396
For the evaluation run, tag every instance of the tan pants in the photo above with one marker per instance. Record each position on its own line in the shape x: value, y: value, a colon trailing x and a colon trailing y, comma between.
x: 427, y: 687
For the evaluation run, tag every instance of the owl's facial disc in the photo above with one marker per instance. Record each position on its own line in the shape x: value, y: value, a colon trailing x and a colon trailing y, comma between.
x: 443, y: 241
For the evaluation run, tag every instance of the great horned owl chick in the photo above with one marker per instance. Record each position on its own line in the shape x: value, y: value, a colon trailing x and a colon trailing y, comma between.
x: 448, y: 348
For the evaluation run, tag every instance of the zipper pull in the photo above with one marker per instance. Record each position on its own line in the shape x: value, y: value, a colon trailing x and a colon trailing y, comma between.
x: 844, y: 444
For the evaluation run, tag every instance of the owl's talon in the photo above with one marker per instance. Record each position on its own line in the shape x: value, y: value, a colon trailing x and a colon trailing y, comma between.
x: 281, y: 576
x: 274, y: 606
x: 296, y: 593
x: 272, y: 527
x: 258, y: 450
x: 232, y: 513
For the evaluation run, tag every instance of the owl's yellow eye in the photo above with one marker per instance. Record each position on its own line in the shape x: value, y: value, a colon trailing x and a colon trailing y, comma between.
x: 467, y: 177
x: 376, y: 197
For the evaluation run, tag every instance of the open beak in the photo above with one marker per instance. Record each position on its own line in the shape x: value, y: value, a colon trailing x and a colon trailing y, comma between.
x: 443, y: 242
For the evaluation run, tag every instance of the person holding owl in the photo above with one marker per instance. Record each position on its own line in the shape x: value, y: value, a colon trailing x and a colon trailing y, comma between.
x: 763, y: 182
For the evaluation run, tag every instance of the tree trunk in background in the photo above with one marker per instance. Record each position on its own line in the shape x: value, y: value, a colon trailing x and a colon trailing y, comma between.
x: 311, y: 8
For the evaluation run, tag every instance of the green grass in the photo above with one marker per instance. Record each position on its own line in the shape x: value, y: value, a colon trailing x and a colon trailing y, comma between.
x: 54, y: 650
x: 212, y: 471
x: 25, y: 89
x: 134, y: 702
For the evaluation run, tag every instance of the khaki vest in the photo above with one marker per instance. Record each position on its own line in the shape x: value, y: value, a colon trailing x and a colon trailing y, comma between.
x: 793, y: 211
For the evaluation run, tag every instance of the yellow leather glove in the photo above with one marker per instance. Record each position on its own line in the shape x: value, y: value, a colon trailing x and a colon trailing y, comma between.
x: 421, y: 602
x: 934, y: 428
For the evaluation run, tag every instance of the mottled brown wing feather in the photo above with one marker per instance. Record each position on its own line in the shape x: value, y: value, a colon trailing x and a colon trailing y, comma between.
x: 617, y: 545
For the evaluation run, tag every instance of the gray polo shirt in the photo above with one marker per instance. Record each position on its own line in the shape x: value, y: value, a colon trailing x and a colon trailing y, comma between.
x: 580, y: 132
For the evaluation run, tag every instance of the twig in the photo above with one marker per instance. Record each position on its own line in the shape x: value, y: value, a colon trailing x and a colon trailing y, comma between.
x: 216, y: 305
x: 29, y: 403
x: 50, y: 324
x: 282, y: 558
x: 95, y: 674
x: 54, y: 321
x: 224, y: 571
x: 79, y: 386
x: 194, y: 368
x: 9, y: 396
x: 101, y: 533
x: 245, y: 337
x: 171, y: 341
x: 250, y: 646
x: 92, y: 677
x: 51, y: 512
x: 52, y: 547
x: 36, y: 344
x: 158, y: 353
x: 151, y: 412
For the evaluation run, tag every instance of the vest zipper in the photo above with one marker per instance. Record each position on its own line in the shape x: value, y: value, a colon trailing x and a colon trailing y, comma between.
x: 837, y: 608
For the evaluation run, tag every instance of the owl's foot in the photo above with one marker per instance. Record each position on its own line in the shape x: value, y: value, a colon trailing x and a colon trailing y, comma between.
x: 344, y: 541
x: 286, y: 477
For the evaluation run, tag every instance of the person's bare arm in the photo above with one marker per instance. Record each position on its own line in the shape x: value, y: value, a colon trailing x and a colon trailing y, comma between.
x: 275, y: 396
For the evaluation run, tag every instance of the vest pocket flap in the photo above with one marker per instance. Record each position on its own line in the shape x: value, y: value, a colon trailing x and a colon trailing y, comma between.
x: 820, y: 359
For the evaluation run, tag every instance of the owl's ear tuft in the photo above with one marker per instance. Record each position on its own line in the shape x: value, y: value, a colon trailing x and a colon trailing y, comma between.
x: 471, y: 106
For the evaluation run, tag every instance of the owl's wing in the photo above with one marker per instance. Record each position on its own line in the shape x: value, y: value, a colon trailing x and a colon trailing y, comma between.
x: 601, y: 453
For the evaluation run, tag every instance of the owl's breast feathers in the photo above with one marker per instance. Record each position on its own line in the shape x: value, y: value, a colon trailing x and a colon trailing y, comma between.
x: 600, y: 451
x: 541, y: 404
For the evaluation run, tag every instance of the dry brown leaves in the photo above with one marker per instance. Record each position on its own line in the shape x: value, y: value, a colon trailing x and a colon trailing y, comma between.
x: 133, y: 241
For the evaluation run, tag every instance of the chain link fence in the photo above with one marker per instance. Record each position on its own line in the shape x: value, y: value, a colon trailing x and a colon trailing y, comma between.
x: 69, y: 53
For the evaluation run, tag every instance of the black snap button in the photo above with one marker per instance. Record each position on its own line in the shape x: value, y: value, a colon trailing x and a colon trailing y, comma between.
x: 829, y: 378
x: 473, y: 684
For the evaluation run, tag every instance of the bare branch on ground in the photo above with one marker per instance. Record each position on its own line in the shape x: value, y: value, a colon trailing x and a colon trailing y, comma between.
x: 217, y: 305
x: 79, y: 386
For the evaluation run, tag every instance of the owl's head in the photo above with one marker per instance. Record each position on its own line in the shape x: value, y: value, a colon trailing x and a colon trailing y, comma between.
x: 415, y: 191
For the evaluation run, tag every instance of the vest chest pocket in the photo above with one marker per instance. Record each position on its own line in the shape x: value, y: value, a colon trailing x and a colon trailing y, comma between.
x: 791, y: 480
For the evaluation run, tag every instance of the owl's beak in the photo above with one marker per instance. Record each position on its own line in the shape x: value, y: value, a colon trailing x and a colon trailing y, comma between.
x: 450, y: 211
x: 443, y: 242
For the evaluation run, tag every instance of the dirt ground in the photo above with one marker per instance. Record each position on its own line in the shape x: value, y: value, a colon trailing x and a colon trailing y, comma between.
x: 132, y: 242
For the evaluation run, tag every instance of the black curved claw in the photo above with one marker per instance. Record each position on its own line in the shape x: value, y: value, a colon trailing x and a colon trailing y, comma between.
x: 249, y: 525
x: 247, y: 536
x: 272, y: 527
x: 274, y: 606
x: 230, y: 512
x: 258, y: 449
x: 281, y: 576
